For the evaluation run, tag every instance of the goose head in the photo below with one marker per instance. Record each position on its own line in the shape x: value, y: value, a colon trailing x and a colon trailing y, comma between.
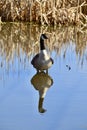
x: 43, y: 37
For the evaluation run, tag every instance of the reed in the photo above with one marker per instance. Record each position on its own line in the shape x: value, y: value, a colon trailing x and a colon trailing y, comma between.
x: 44, y: 11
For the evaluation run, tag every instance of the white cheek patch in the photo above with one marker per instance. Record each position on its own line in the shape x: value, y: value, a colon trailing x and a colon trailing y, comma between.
x: 42, y: 37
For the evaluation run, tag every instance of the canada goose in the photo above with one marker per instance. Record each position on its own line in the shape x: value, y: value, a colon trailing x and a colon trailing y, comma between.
x: 41, y: 82
x: 42, y: 60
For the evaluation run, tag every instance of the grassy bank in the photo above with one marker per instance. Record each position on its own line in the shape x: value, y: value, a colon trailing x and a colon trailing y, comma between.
x: 44, y: 11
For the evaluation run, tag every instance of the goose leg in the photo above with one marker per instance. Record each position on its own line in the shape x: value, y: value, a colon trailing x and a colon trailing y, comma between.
x: 47, y: 71
x: 37, y: 71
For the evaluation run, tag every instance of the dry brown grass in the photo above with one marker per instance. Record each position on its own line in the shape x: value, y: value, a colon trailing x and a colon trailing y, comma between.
x: 45, y: 11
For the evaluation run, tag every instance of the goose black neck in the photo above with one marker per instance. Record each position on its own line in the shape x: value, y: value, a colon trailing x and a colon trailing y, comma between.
x: 42, y: 47
x: 40, y: 105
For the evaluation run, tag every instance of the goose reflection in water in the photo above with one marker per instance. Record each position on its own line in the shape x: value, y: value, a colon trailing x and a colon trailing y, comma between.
x: 41, y: 82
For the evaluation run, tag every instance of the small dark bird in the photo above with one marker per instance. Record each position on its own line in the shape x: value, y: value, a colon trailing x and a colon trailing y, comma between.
x: 42, y: 60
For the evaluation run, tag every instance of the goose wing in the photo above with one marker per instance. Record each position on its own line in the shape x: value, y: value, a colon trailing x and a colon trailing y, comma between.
x: 34, y: 60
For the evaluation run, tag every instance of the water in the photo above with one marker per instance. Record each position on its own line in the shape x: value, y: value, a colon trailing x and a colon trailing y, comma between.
x: 65, y: 104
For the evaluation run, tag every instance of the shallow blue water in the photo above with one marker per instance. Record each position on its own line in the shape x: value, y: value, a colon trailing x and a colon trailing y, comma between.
x: 65, y: 100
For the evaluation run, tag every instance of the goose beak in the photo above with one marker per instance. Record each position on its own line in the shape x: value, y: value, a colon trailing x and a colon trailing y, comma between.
x: 46, y: 37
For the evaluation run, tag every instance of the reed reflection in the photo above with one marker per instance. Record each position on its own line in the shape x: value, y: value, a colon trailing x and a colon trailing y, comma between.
x: 41, y: 82
x: 21, y: 39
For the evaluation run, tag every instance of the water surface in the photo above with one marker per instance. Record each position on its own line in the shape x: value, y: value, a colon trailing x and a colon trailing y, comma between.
x: 64, y: 88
